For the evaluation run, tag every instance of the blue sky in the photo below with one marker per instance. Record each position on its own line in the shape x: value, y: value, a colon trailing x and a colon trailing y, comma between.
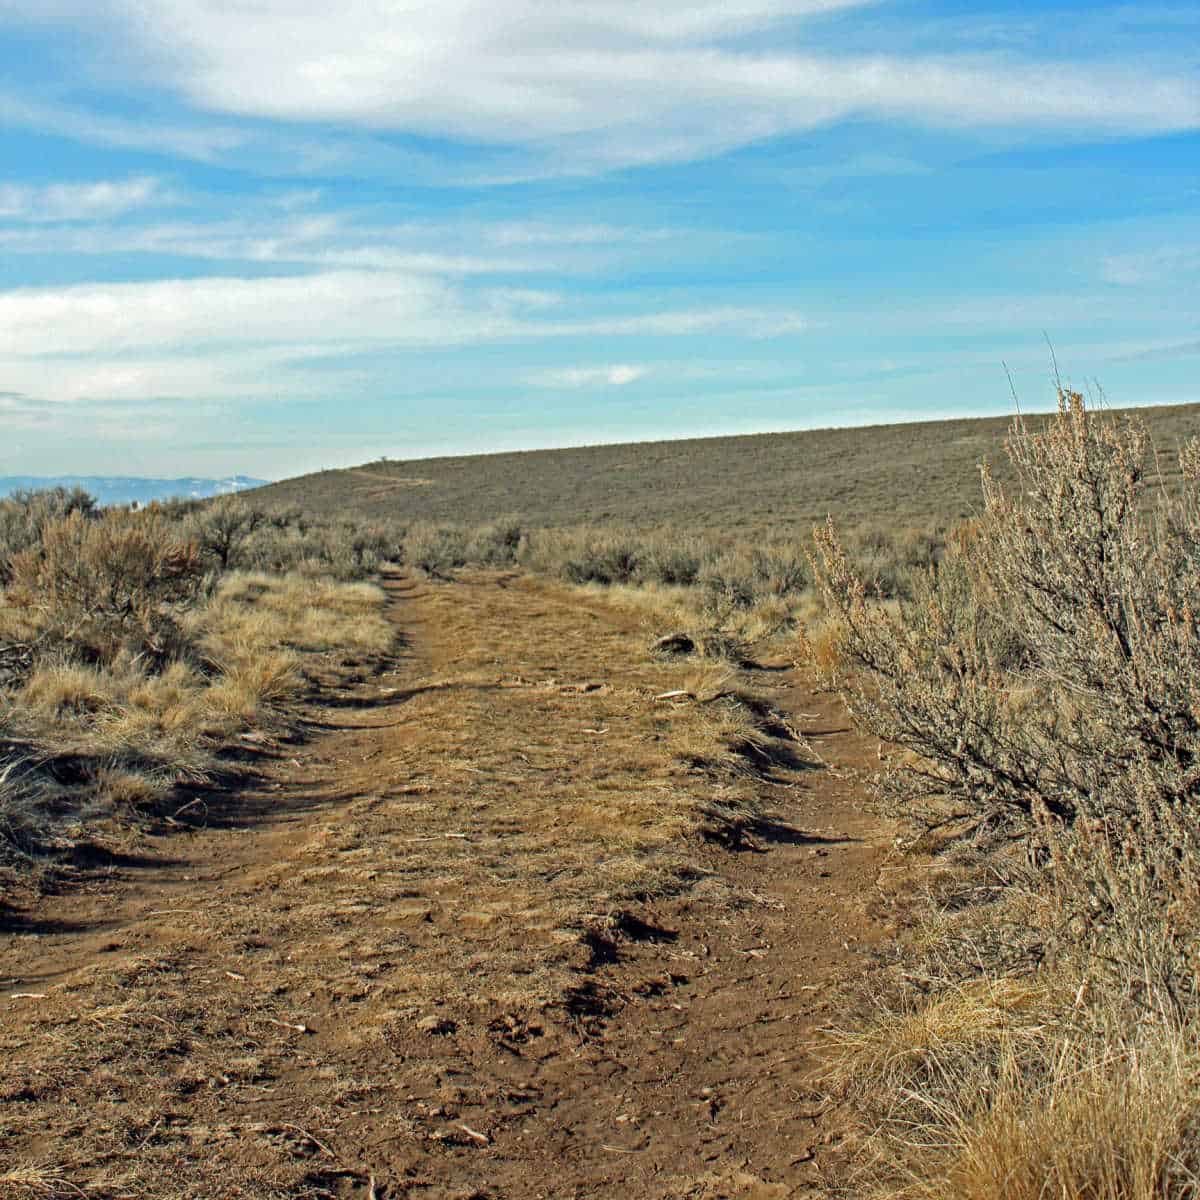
x: 247, y: 236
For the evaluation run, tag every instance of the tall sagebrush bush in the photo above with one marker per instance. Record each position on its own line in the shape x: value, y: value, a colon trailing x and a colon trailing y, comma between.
x: 1041, y: 689
x: 1044, y: 680
x: 101, y: 587
x: 223, y: 527
x: 24, y: 515
x: 1051, y: 657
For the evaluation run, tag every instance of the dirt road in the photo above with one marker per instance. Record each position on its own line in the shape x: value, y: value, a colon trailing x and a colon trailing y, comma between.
x: 457, y: 941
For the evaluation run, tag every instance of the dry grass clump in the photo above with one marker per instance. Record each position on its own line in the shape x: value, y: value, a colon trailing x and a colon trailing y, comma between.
x: 253, y: 680
x: 127, y: 660
x: 254, y: 610
x: 1041, y: 690
x: 1009, y: 1087
x: 1123, y: 1129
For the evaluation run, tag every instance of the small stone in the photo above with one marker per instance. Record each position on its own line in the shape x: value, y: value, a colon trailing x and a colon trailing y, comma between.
x: 439, y: 1026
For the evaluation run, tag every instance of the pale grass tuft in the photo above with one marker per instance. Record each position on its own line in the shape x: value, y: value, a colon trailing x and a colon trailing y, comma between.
x: 1108, y: 1126
x: 251, y: 680
x: 711, y: 680
x: 66, y: 689
x: 902, y: 1050
x: 34, y: 1181
x: 131, y: 789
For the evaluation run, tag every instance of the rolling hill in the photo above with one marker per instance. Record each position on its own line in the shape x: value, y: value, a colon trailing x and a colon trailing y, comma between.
x: 912, y: 474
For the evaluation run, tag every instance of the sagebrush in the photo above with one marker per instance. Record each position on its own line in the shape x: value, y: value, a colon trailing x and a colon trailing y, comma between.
x: 1041, y: 694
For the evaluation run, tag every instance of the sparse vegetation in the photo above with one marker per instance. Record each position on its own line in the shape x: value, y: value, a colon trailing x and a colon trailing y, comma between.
x: 469, y: 883
x: 881, y: 480
x: 455, y: 868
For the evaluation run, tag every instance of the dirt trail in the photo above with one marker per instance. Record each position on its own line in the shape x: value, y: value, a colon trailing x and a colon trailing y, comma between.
x: 364, y: 975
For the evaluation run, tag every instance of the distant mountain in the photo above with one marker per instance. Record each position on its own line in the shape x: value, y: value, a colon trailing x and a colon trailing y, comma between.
x: 124, y: 489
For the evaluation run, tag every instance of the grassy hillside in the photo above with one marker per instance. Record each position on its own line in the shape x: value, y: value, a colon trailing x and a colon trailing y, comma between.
x: 911, y: 474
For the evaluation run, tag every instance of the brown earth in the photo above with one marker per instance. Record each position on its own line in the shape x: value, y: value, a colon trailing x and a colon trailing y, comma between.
x: 499, y: 925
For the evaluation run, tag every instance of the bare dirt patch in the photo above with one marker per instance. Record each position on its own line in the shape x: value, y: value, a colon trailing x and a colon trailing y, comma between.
x: 508, y: 924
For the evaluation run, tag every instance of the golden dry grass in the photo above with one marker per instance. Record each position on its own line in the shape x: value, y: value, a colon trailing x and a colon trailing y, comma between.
x: 253, y: 611
x: 254, y: 633
x: 136, y: 733
x: 1102, y: 1119
x: 765, y: 628
x: 1115, y: 1126
x: 1029, y: 1088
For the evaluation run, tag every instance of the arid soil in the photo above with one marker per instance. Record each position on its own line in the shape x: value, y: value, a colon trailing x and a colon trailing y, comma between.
x: 478, y: 933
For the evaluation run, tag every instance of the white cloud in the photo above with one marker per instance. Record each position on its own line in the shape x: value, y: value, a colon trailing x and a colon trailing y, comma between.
x: 285, y: 337
x: 353, y: 308
x: 269, y: 231
x: 746, y: 322
x: 336, y: 306
x: 599, y: 82
x: 618, y: 375
x: 97, y: 200
x: 545, y: 233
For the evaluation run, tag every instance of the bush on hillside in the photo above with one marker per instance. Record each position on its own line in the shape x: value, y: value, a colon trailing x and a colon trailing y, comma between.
x: 223, y: 527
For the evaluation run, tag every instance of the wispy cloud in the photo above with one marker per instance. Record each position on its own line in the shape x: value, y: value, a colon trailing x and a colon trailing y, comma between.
x: 1160, y: 352
x: 22, y: 411
x: 204, y: 142
x: 617, y: 375
x: 741, y: 320
x: 284, y: 231
x: 286, y: 336
x: 98, y: 200
x: 1153, y: 265
x: 600, y: 83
